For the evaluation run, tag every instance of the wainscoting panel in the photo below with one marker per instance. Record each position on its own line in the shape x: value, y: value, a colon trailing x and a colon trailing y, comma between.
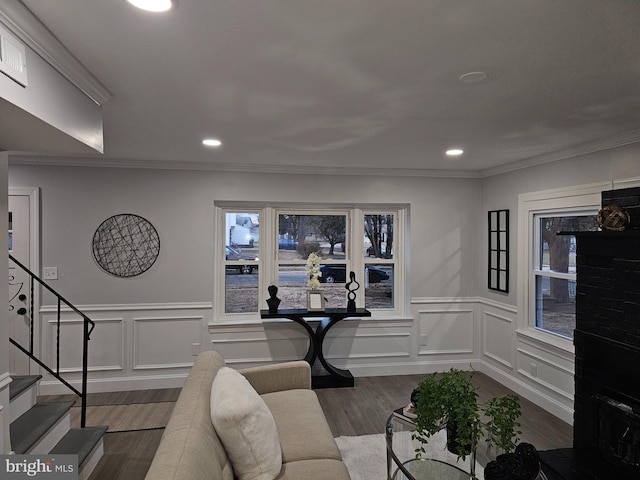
x: 497, y: 338
x: 358, y: 343
x: 132, y: 347
x: 106, y: 348
x: 525, y: 362
x: 546, y: 371
x: 446, y: 331
x: 153, y: 335
x: 349, y: 344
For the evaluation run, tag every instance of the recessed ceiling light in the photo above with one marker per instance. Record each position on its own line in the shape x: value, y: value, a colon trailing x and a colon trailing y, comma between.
x: 473, y: 77
x: 211, y: 142
x: 454, y: 152
x: 153, y: 5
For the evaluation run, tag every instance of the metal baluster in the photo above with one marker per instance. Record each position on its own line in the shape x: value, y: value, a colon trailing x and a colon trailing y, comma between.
x: 85, y: 366
x: 58, y: 342
x: 31, y: 316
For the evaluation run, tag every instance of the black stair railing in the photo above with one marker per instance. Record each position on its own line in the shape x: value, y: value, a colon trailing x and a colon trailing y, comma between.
x: 29, y: 351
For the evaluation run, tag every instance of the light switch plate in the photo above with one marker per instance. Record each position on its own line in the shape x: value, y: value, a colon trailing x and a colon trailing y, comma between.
x: 50, y: 273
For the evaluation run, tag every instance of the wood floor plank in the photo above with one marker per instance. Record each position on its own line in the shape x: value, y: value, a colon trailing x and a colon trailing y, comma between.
x: 360, y: 410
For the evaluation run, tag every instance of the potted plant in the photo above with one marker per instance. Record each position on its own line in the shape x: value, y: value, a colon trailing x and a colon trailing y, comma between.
x: 449, y: 400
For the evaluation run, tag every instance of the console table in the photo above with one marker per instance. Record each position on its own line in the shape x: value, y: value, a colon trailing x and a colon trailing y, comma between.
x: 337, y: 377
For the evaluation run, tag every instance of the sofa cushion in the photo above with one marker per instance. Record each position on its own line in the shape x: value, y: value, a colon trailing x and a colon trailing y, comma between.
x: 304, y: 432
x: 246, y: 427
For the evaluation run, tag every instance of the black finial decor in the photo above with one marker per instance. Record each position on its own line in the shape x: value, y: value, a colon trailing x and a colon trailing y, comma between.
x: 351, y: 296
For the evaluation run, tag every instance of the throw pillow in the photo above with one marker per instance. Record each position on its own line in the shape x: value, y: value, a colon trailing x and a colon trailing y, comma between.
x: 245, y: 426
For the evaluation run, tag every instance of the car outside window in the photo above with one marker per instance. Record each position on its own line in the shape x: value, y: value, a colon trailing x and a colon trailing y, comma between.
x: 270, y: 246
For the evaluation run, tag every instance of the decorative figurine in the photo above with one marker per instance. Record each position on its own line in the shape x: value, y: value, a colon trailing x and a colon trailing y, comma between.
x: 273, y: 301
x: 351, y: 302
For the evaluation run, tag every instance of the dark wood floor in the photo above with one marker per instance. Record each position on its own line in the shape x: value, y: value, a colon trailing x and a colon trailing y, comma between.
x: 361, y: 410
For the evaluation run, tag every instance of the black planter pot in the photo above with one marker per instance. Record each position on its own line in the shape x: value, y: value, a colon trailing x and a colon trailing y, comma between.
x: 452, y: 440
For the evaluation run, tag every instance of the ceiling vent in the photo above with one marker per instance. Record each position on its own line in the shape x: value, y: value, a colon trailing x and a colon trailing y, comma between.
x: 13, y: 60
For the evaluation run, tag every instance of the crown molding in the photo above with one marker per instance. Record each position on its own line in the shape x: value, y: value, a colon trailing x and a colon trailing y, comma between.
x: 615, y: 141
x: 29, y: 29
x: 599, y: 145
x: 18, y: 158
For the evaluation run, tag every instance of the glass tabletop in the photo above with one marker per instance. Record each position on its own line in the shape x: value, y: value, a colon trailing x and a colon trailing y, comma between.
x: 430, y: 469
x: 436, y: 463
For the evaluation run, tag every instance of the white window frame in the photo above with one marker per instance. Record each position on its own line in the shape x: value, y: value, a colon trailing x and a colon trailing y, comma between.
x: 268, y: 250
x: 583, y: 199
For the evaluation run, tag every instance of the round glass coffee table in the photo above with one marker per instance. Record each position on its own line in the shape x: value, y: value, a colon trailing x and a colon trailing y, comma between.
x: 437, y: 463
x: 428, y: 468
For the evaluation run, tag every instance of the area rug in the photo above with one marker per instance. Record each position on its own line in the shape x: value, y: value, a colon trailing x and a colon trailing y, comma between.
x: 124, y: 418
x: 366, y: 456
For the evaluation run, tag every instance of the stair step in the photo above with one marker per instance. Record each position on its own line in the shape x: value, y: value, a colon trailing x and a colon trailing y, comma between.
x: 30, y: 427
x: 22, y: 394
x: 21, y: 383
x: 79, y: 441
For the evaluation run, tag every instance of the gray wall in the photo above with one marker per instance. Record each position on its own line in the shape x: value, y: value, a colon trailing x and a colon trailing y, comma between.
x: 445, y: 221
x: 501, y: 191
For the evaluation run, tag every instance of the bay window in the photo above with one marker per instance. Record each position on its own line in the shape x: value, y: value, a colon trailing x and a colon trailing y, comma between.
x: 269, y: 245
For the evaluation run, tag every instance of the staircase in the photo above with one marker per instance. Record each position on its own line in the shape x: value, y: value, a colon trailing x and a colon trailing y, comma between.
x: 45, y: 428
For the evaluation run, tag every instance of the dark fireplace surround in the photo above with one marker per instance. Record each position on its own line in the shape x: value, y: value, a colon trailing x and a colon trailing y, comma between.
x: 606, y: 434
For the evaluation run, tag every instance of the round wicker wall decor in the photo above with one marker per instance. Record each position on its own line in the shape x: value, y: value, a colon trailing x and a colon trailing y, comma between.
x: 126, y: 245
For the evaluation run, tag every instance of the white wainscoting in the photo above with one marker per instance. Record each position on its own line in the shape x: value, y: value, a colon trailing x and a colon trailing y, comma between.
x: 497, y: 335
x: 132, y: 347
x: 446, y: 332
x: 184, y: 331
x: 534, y: 368
x: 365, y: 346
x: 152, y: 346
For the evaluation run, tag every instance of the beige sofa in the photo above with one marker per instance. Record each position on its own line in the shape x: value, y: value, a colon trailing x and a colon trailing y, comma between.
x: 191, y: 450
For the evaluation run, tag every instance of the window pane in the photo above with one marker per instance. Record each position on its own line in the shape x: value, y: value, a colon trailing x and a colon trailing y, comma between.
x: 379, y: 288
x: 300, y: 235
x: 555, y: 305
x: 243, y: 261
x: 241, y: 290
x: 242, y: 230
x: 557, y: 252
x: 378, y: 236
x: 292, y: 286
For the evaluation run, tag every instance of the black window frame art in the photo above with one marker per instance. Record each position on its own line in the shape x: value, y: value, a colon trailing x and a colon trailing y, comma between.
x: 498, y: 251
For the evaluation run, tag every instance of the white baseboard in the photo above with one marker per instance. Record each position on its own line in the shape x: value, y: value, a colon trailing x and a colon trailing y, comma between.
x: 549, y: 404
x: 408, y: 368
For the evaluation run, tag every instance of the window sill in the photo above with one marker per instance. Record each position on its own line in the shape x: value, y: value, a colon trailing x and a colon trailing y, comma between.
x: 253, y: 320
x: 560, y: 344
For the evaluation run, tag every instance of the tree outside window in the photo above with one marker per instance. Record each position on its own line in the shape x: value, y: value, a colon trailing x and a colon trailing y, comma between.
x: 265, y: 245
x: 555, y: 272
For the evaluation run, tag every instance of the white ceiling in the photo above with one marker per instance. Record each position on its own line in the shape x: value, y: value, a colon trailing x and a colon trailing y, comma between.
x: 358, y: 85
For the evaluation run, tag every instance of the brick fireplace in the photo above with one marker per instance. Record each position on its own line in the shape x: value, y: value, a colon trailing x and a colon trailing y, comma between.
x: 607, y: 346
x: 606, y: 431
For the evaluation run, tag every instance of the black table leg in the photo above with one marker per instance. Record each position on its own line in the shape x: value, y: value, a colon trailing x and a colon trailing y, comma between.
x: 311, y: 355
x: 337, y: 377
